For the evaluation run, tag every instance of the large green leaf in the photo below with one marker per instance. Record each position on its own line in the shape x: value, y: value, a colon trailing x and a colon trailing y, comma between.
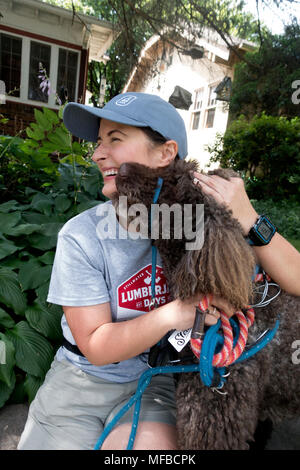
x: 23, y: 229
x: 62, y: 203
x: 7, y: 248
x: 7, y: 221
x: 10, y: 291
x: 8, y: 206
x: 51, y: 115
x: 45, y: 320
x: 42, y: 292
x: 42, y: 203
x: 34, y: 353
x: 47, y: 236
x: 42, y: 120
x: 35, y: 132
x: 74, y: 158
x: 33, y: 274
x: 51, y: 228
x: 7, y: 366
x: 92, y: 184
x: 47, y: 258
x: 60, y: 137
x: 41, y: 160
x: 37, y: 218
x: 6, y: 391
x: 5, y: 319
x: 16, y: 261
x: 42, y: 242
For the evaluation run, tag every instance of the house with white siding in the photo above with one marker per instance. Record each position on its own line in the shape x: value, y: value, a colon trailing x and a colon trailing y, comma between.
x: 34, y: 33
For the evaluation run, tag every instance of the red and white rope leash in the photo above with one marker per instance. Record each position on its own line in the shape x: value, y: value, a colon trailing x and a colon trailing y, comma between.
x: 228, y: 354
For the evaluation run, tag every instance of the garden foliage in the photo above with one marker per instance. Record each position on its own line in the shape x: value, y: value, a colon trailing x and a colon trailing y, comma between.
x: 54, y: 180
x: 263, y: 82
x: 266, y: 150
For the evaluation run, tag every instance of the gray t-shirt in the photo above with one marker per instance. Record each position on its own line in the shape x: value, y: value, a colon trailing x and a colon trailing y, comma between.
x: 97, y: 261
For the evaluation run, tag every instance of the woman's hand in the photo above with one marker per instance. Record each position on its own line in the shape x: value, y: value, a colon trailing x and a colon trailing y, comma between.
x: 279, y: 258
x: 232, y: 193
x: 185, y: 311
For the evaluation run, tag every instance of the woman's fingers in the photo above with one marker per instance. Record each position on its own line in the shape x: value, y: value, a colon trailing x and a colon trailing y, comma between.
x: 208, y: 188
x: 232, y: 193
x: 213, y: 316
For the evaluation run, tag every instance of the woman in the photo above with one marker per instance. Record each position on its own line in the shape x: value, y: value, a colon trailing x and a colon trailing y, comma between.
x: 100, y: 277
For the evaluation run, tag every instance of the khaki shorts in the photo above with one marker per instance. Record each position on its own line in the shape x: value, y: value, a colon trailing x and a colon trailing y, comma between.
x: 72, y: 408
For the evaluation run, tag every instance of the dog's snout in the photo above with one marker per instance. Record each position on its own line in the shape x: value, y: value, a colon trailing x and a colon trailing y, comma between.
x: 123, y: 170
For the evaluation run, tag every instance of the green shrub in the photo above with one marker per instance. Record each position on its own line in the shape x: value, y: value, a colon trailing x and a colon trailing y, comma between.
x: 33, y: 162
x: 46, y: 179
x: 263, y: 81
x: 29, y: 327
x: 266, y: 151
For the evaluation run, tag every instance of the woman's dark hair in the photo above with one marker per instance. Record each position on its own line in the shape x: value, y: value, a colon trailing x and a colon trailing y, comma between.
x: 155, y: 137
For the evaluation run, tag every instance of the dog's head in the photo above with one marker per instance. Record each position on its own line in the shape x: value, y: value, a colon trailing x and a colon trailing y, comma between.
x: 138, y: 182
x: 225, y: 263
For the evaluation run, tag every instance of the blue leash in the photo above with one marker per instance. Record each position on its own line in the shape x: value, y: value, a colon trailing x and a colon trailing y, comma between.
x: 143, y: 383
x: 212, y: 340
x: 153, y: 247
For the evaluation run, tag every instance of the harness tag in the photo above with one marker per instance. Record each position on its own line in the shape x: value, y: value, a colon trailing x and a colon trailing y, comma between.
x: 179, y: 339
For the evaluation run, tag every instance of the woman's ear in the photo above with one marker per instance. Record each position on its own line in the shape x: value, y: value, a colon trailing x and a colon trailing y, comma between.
x: 169, y: 151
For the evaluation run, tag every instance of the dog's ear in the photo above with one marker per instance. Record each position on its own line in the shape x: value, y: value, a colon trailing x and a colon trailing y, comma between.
x: 224, y: 266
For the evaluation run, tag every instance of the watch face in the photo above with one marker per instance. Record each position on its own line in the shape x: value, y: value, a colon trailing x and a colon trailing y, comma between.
x: 265, y: 230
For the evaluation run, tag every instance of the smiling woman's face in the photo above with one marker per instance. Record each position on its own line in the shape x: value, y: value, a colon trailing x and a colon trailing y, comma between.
x: 119, y: 143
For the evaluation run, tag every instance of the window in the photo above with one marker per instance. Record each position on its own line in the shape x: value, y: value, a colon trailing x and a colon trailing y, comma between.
x: 198, y: 99
x: 10, y: 63
x: 22, y: 53
x: 210, y: 116
x: 196, y: 120
x: 198, y: 104
x: 39, y: 54
x: 211, y: 107
x: 66, y: 77
x: 212, y: 97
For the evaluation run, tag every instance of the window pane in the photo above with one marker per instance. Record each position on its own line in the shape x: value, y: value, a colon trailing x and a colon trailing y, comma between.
x: 10, y: 63
x: 66, y: 76
x: 210, y: 117
x: 212, y: 96
x: 39, y: 54
x: 196, y: 119
x: 198, y: 99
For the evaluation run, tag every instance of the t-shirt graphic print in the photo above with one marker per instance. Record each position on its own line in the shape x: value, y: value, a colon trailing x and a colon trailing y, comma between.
x: 135, y: 293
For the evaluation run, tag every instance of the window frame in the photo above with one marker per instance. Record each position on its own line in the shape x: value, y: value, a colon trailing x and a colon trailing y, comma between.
x: 77, y: 59
x: 7, y: 34
x: 210, y: 106
x: 25, y: 64
x: 197, y: 109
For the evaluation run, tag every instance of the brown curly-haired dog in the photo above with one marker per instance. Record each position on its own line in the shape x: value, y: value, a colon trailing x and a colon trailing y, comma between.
x: 267, y: 384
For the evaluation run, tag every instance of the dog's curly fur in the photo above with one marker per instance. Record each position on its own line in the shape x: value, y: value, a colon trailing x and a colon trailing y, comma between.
x: 265, y: 386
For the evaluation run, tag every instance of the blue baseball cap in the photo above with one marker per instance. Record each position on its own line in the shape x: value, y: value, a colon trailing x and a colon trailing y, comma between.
x: 132, y: 109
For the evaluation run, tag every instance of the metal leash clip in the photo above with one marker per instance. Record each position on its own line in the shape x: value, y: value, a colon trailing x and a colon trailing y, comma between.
x: 218, y: 389
x: 199, y: 324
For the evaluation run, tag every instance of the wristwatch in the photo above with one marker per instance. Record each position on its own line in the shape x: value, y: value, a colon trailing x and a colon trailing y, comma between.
x: 262, y: 231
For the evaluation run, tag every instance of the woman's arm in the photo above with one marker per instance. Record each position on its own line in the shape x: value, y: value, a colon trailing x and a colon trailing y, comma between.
x: 103, y: 341
x: 279, y: 258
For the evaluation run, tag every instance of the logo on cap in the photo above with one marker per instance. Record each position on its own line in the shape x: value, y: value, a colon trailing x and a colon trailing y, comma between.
x: 126, y: 100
